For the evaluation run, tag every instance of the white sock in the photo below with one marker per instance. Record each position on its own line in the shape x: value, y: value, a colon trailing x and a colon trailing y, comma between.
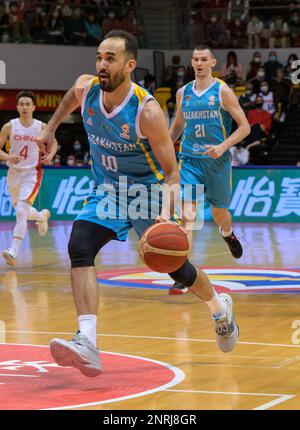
x: 88, y: 326
x: 217, y: 306
x: 35, y: 215
x: 22, y: 210
x: 15, y: 245
x: 226, y: 233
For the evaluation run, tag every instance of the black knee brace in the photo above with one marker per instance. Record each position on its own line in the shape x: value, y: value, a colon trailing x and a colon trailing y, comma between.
x: 86, y: 240
x: 186, y: 274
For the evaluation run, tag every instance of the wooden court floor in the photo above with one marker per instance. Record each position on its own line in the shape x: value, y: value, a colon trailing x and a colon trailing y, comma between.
x: 138, y: 318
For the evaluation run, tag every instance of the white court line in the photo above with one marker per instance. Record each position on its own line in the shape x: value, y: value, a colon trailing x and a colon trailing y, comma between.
x: 273, y: 403
x: 153, y: 337
x: 281, y: 397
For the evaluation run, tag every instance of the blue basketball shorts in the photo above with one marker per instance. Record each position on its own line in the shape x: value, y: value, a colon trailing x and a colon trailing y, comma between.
x: 213, y: 174
x: 120, y: 211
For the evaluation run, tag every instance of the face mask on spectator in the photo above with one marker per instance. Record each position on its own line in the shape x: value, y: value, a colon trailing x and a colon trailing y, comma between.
x: 273, y: 58
x: 71, y: 162
x: 248, y: 92
x: 264, y: 89
x: 77, y: 146
x: 295, y: 18
x: 111, y: 15
x: 55, y: 14
x: 213, y: 19
x: 261, y: 74
x: 180, y: 73
x: 257, y: 59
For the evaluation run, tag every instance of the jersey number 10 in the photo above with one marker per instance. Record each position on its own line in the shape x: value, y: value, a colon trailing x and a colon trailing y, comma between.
x: 199, y: 130
x: 109, y: 162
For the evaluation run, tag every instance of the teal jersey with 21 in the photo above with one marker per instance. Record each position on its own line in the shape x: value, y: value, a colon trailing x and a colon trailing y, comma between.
x: 117, y: 145
x: 206, y: 120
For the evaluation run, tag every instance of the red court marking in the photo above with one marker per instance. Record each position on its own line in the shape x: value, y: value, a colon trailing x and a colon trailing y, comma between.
x: 29, y: 379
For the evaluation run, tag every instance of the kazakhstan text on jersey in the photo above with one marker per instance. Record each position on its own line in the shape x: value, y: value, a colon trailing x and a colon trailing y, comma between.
x: 116, y: 143
x: 206, y: 121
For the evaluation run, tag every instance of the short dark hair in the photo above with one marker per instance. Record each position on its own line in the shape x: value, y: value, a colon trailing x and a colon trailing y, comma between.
x: 203, y: 47
x: 131, y: 44
x: 25, y: 93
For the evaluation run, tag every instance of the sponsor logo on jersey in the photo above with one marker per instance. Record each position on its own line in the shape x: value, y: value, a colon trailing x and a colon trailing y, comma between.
x: 91, y: 112
x: 125, y: 131
x: 89, y: 121
x: 196, y: 147
x: 212, y: 101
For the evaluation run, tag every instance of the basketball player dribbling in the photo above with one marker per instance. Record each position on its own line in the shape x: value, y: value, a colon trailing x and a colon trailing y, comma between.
x: 205, y: 109
x: 25, y: 172
x: 128, y: 137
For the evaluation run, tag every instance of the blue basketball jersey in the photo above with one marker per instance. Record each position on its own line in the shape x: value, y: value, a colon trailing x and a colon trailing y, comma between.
x: 116, y: 144
x: 206, y: 121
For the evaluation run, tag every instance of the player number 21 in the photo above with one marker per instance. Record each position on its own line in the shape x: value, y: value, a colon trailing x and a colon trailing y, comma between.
x: 109, y: 162
x: 200, y: 130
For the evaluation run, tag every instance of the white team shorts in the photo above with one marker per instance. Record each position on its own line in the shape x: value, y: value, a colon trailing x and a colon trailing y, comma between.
x: 23, y: 184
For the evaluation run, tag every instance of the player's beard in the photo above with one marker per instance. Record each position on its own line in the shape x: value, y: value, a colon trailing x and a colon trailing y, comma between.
x: 112, y: 83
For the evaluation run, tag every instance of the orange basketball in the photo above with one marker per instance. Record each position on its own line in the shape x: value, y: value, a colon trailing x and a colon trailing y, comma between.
x: 164, y: 247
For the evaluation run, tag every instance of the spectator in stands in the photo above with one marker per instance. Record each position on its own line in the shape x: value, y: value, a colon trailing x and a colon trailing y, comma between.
x: 238, y: 8
x: 18, y: 27
x: 148, y: 83
x: 93, y: 30
x: 57, y: 161
x: 77, y: 149
x: 238, y: 35
x: 217, y: 7
x: 253, y: 66
x: 257, y: 33
x: 232, y: 71
x: 216, y: 32
x: 259, y: 78
x: 281, y: 88
x: 66, y: 10
x: 74, y: 28
x: 178, y: 78
x: 260, y: 122
x: 189, y: 74
x: 38, y: 29
x: 247, y: 99
x: 131, y: 25
x: 71, y: 161
x: 170, y: 112
x: 170, y: 71
x: 4, y: 21
x: 55, y: 26
x: 272, y: 65
x: 195, y: 28
x: 294, y: 25
x: 240, y: 155
x: 288, y: 68
x: 279, y: 33
x: 269, y: 105
x: 110, y: 22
